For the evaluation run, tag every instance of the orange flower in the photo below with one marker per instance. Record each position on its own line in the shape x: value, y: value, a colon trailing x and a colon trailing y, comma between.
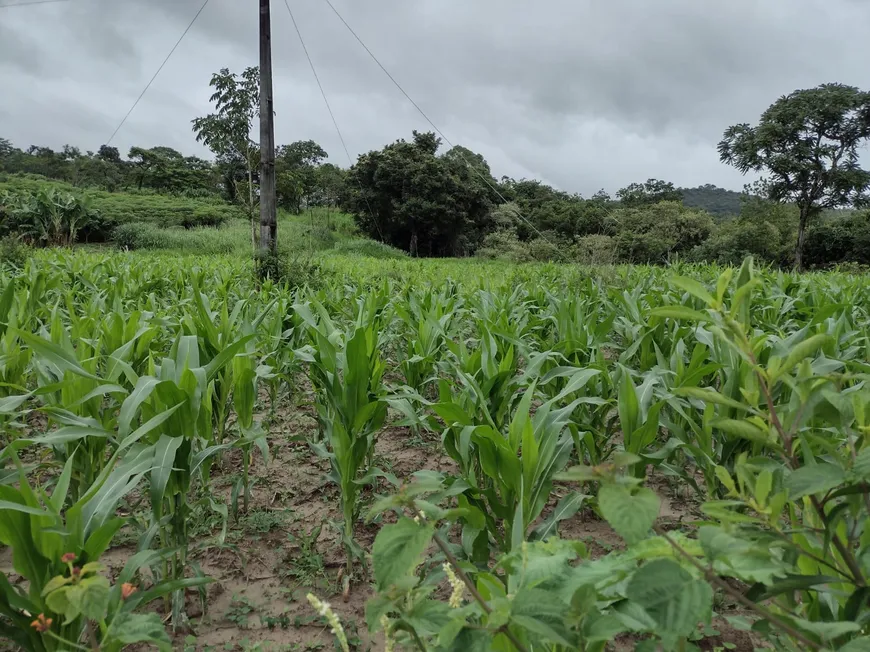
x: 127, y: 590
x: 41, y: 624
x: 68, y: 558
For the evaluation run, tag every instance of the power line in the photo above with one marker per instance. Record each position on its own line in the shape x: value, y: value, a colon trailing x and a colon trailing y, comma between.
x: 331, y: 114
x: 428, y: 119
x: 29, y: 4
x: 162, y: 65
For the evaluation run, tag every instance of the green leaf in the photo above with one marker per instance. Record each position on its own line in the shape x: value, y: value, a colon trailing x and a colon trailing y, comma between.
x: 397, y: 550
x: 711, y: 396
x: 679, y: 312
x: 815, y: 479
x: 567, y: 507
x: 94, y: 598
x: 631, y: 516
x: 671, y: 596
x: 62, y: 359
x: 694, y: 288
x: 744, y: 430
x: 128, y: 628
x: 628, y: 406
x: 799, y: 352
x: 164, y: 462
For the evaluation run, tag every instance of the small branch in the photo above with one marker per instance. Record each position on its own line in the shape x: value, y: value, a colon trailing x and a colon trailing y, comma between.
x: 713, y: 578
x: 451, y: 559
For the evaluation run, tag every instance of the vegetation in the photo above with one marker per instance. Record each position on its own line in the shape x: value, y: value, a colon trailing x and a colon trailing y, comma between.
x: 559, y: 395
x: 807, y: 142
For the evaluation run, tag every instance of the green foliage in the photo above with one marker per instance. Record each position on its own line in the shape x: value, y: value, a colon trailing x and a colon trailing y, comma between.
x: 808, y: 144
x: 13, y: 252
x: 368, y: 249
x: 409, y: 197
x: 841, y: 239
x: 656, y: 233
x: 648, y: 194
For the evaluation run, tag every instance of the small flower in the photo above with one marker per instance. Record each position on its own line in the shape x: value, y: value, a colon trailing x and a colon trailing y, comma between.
x: 127, y: 590
x: 326, y: 611
x: 41, y: 624
x: 68, y: 557
x: 388, y: 638
x: 76, y: 572
x: 457, y: 584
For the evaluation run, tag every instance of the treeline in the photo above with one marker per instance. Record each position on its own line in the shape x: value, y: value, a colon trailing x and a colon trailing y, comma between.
x: 418, y: 197
x: 304, y: 179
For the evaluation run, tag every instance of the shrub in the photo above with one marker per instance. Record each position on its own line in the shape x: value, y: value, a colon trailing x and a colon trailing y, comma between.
x: 139, y: 235
x: 594, y: 250
x: 294, y: 271
x: 652, y: 234
x: 844, y: 239
x: 369, y: 249
x: 13, y: 252
x: 503, y: 244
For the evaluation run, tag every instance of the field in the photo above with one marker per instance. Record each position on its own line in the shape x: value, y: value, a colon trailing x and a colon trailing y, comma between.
x: 455, y: 454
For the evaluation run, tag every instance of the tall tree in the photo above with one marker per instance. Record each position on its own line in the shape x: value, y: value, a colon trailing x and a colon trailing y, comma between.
x: 408, y: 196
x: 807, y: 144
x: 227, y: 132
x: 296, y: 167
x: 652, y: 192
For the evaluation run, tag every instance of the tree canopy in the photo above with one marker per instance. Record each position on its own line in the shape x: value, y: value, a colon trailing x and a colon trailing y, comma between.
x: 806, y: 144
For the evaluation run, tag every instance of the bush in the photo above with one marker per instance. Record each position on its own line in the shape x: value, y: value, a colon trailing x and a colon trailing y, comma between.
x: 369, y: 249
x: 138, y: 235
x: 652, y: 234
x: 13, y: 252
x: 503, y: 245
x: 205, y: 240
x: 844, y: 239
x: 113, y: 209
x: 294, y: 271
x: 594, y: 250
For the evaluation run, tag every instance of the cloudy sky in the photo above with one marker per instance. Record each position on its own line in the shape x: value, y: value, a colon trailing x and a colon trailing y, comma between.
x: 584, y: 94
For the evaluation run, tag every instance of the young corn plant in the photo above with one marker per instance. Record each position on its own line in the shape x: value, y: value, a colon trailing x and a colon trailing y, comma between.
x: 510, y: 473
x: 183, y: 446
x: 56, y: 544
x: 346, y: 371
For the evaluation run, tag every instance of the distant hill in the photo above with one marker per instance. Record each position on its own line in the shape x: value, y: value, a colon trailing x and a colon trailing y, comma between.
x: 717, y: 201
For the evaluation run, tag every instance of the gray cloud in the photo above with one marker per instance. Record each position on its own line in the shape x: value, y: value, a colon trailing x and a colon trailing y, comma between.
x: 581, y: 93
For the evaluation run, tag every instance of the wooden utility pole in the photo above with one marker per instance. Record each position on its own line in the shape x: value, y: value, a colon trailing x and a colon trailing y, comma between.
x: 268, y: 201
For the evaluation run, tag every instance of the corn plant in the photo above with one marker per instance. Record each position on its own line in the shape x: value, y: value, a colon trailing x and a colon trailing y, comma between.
x: 56, y: 544
x: 182, y: 445
x: 351, y: 409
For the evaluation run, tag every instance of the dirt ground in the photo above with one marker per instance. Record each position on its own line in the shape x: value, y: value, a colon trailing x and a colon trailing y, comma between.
x: 284, y: 546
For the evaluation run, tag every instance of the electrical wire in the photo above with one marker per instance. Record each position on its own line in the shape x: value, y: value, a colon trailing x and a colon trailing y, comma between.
x: 331, y: 114
x: 162, y: 65
x: 429, y: 120
x: 30, y: 4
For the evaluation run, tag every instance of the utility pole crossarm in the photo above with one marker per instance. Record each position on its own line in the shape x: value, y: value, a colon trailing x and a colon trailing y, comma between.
x: 268, y: 201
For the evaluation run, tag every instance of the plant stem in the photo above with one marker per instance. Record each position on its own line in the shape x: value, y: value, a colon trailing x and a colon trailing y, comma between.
x: 713, y: 578
x: 451, y: 559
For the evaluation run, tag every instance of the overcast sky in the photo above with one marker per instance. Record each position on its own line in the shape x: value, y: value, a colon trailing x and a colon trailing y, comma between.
x: 584, y: 94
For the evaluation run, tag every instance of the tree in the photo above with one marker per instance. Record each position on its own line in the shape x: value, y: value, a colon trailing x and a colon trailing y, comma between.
x: 227, y: 132
x: 807, y: 144
x: 296, y: 170
x: 652, y: 234
x: 646, y: 194
x: 409, y: 197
